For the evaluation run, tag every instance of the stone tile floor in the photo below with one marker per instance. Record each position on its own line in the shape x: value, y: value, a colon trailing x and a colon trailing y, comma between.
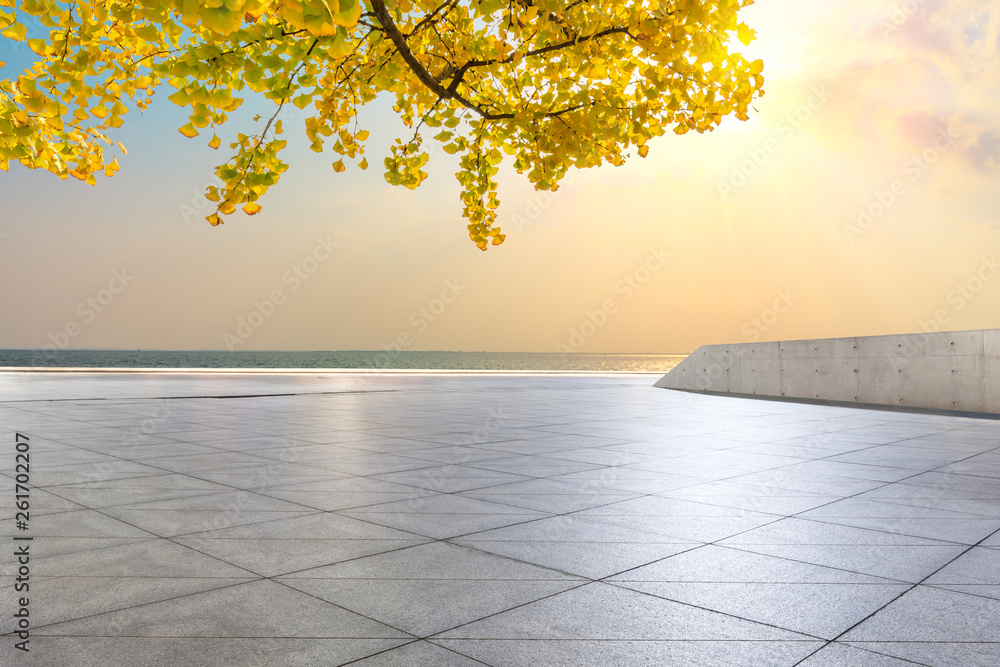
x: 329, y: 519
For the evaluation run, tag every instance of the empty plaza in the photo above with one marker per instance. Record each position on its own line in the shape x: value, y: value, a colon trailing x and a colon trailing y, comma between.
x: 477, y: 519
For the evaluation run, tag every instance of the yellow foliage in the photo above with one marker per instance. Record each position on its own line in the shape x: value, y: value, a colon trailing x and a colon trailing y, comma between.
x: 548, y: 85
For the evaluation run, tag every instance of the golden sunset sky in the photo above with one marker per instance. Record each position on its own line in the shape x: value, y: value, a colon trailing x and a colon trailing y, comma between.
x: 861, y: 198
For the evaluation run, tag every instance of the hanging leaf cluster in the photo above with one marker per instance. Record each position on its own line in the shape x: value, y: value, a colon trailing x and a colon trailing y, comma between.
x: 546, y: 84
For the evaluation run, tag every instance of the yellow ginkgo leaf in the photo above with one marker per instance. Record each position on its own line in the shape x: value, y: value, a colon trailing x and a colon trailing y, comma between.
x: 252, y: 208
x: 340, y: 48
x: 745, y: 34
x: 215, y: 142
x: 363, y: 164
x: 643, y: 151
x: 214, y: 219
x: 188, y: 131
x: 15, y: 31
x: 338, y: 166
x: 40, y: 47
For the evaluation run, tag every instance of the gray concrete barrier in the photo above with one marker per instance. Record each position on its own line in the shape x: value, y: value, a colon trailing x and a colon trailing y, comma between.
x: 955, y: 370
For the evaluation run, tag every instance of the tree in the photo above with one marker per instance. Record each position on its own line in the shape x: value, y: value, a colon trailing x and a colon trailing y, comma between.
x: 553, y: 83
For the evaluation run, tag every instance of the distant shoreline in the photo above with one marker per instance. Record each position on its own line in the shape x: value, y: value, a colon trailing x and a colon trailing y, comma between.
x: 335, y: 362
x: 308, y: 371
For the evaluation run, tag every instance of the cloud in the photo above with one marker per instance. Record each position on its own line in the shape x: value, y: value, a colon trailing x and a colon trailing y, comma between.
x: 902, y: 71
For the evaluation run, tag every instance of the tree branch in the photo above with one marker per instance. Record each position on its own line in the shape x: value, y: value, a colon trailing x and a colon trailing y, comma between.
x: 399, y: 41
x: 451, y: 92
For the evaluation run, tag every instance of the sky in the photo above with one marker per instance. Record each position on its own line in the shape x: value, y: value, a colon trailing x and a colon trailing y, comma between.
x: 861, y: 198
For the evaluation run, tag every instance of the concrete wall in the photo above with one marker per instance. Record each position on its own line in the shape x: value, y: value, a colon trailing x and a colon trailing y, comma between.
x: 957, y: 370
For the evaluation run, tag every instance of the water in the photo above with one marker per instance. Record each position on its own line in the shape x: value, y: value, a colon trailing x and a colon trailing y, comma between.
x: 409, y: 360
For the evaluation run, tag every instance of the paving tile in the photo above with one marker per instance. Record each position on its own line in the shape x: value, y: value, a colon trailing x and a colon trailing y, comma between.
x: 554, y: 503
x: 96, y: 498
x: 538, y: 487
x: 57, y: 546
x: 976, y: 571
x: 715, y: 565
x: 818, y: 601
x: 64, y: 598
x: 793, y: 530
x: 631, y: 480
x: 443, y: 516
x: 219, y: 502
x: 232, y: 612
x: 91, y: 472
x: 983, y: 504
x: 962, y: 531
x: 902, y: 563
x: 576, y: 545
x: 75, y: 523
x: 534, y: 466
x: 434, y: 561
x: 456, y: 454
x: 670, y: 508
x: 452, y: 478
x: 166, y: 481
x: 599, y: 611
x: 427, y: 589
x: 859, y: 507
x: 215, y: 651
x: 589, y: 653
x: 841, y: 655
x: 422, y: 607
x: 314, y: 526
x: 819, y: 610
x: 928, y: 614
x: 688, y: 517
x: 834, y: 467
x: 877, y: 553
x: 270, y: 558
x: 41, y: 500
x: 418, y: 653
x: 170, y: 523
x: 147, y: 558
x: 939, y: 654
x: 600, y: 456
x: 300, y: 543
x: 255, y: 478
x: 695, y: 529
